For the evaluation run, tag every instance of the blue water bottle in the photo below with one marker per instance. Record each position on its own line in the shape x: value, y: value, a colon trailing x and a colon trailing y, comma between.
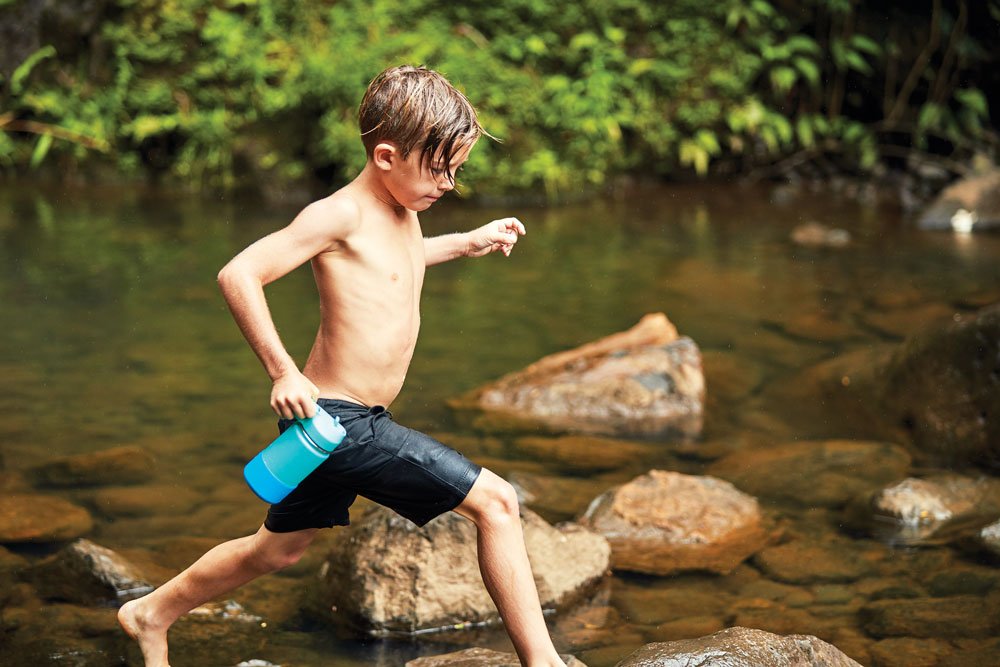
x: 282, y: 465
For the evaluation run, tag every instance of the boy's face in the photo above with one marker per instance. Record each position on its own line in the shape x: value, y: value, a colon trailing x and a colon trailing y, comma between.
x: 416, y: 186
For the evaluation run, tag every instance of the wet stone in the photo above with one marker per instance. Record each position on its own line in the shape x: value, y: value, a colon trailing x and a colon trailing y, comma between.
x: 918, y: 510
x: 989, y: 537
x: 665, y: 522
x: 479, y: 657
x: 902, y: 322
x: 909, y: 652
x: 956, y: 616
x: 741, y: 647
x: 388, y: 576
x: 686, y: 628
x: 582, y: 454
x: 799, y: 562
x: 39, y: 518
x: 87, y: 573
x: 129, y: 464
x: 814, y: 473
x: 145, y: 500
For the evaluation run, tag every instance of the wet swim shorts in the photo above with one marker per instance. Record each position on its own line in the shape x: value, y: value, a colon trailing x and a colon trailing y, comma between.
x: 405, y: 470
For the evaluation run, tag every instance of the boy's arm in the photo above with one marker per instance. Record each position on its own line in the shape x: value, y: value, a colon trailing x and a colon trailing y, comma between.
x: 496, y: 235
x: 242, y: 282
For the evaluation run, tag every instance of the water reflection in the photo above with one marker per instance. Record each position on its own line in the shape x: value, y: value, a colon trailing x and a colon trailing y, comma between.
x: 115, y: 334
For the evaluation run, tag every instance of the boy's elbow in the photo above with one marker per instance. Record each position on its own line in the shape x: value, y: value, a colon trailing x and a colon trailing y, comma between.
x: 228, y: 276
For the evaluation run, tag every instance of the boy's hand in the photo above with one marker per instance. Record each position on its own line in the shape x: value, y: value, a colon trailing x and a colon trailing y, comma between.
x: 497, y: 235
x: 293, y: 395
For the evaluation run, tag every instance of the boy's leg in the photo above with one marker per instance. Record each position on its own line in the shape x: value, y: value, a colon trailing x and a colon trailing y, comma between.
x: 220, y: 570
x: 503, y: 560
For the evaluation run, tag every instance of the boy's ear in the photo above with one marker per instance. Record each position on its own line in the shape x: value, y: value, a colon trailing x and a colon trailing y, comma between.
x: 385, y: 155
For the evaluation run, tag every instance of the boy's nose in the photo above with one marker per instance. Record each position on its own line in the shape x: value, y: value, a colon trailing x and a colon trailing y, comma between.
x: 446, y: 183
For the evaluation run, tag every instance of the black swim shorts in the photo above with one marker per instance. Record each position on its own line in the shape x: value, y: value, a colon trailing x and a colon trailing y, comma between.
x: 405, y: 470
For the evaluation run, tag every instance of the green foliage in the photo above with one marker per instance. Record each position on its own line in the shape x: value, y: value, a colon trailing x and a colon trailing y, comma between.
x: 205, y: 92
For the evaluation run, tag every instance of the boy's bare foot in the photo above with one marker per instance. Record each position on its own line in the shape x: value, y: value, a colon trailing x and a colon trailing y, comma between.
x: 152, y: 641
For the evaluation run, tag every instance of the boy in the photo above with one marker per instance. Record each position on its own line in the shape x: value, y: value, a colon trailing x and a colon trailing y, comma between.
x: 368, y: 258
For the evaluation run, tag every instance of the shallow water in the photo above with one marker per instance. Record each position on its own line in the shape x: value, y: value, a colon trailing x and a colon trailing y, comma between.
x: 114, y: 333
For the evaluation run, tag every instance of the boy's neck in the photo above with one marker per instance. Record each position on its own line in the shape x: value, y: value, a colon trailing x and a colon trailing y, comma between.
x: 370, y: 182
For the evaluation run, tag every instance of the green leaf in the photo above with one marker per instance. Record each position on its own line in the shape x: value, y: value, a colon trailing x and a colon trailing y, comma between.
x: 866, y: 44
x: 783, y: 78
x: 974, y: 99
x: 804, y: 129
x: 930, y: 116
x: 857, y: 62
x: 41, y: 150
x: 24, y: 69
x: 803, y: 44
x: 808, y: 68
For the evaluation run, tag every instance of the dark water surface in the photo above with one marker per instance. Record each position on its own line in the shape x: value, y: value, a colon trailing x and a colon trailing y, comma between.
x: 114, y: 333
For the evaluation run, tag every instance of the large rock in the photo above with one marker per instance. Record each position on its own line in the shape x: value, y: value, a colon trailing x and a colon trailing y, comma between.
x: 741, y: 647
x: 479, y: 657
x: 971, y: 204
x: 29, y: 517
x: 666, y: 522
x: 917, y: 510
x: 804, y: 562
x: 87, y: 573
x: 814, y: 473
x: 390, y: 576
x: 645, y: 381
x: 943, y: 386
x: 128, y: 464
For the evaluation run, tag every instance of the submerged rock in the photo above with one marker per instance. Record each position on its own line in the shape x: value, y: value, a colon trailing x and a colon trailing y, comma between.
x: 814, y: 234
x: 30, y: 517
x: 85, y: 572
x: 943, y: 386
x: 947, y: 617
x: 666, y: 522
x: 990, y: 537
x: 645, y: 381
x: 389, y: 576
x: 801, y: 562
x: 479, y: 657
x: 119, y: 465
x: 825, y: 473
x: 741, y: 647
x: 970, y: 205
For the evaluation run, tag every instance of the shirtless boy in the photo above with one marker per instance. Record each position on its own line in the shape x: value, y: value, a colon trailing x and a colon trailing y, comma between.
x: 368, y: 258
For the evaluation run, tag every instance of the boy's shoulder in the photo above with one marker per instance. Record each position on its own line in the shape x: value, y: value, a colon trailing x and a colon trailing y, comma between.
x: 339, y: 212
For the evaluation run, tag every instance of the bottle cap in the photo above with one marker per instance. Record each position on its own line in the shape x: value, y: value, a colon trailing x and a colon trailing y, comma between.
x: 323, y: 429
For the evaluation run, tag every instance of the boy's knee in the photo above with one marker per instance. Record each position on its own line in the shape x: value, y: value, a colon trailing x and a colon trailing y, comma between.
x: 274, y: 555
x: 496, y: 499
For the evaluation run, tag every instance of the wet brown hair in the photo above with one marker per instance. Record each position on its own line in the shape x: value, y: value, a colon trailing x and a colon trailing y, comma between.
x: 417, y: 108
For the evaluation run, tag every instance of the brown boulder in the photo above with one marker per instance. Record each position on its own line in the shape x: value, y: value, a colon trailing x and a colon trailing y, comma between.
x: 390, y: 576
x: 645, y: 381
x: 666, y: 522
x: 85, y: 572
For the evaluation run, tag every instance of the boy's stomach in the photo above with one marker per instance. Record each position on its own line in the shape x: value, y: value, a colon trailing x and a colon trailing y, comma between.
x: 367, y: 367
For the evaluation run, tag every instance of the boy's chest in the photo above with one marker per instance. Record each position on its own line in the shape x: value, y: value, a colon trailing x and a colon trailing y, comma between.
x: 381, y: 260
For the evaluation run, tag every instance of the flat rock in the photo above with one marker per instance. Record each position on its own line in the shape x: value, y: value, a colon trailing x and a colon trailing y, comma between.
x: 390, y: 576
x: 582, y: 453
x: 665, y: 522
x: 741, y: 647
x: 28, y: 517
x: 128, y: 464
x: 817, y: 235
x: 479, y: 657
x: 825, y: 473
x: 910, y: 652
x: 646, y: 381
